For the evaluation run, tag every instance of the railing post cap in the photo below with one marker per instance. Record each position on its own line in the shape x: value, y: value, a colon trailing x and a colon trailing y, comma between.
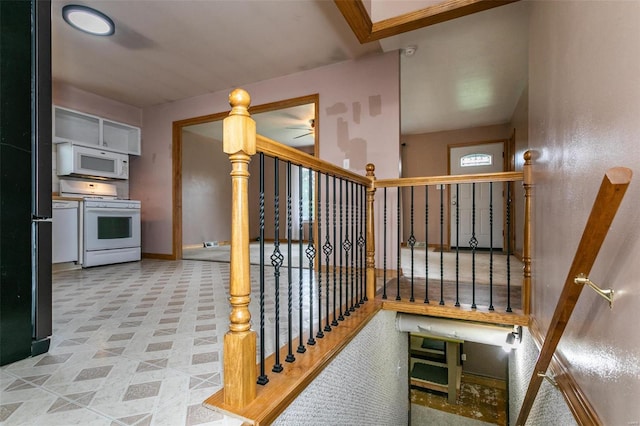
x: 239, y: 100
x: 370, y: 168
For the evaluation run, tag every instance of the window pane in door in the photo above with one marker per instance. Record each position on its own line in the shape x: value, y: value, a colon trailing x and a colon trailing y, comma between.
x: 110, y: 228
x: 475, y: 160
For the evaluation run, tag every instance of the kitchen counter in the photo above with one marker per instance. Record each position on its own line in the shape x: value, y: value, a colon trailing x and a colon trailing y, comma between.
x: 56, y: 197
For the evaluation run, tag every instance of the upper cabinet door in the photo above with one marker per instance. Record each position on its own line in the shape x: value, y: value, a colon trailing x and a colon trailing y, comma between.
x: 89, y: 130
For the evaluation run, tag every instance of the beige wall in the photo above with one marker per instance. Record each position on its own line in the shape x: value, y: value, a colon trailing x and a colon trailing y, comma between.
x: 427, y: 155
x: 205, y: 174
x: 520, y: 126
x: 71, y: 97
x: 359, y: 118
x: 584, y: 109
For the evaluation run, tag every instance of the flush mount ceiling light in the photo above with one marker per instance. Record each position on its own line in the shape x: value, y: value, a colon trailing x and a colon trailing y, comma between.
x: 88, y: 20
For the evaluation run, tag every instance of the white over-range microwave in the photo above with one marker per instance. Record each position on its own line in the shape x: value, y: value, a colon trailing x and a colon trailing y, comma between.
x: 78, y: 160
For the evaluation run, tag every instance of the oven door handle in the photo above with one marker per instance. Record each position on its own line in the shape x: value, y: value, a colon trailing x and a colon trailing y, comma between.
x: 111, y: 210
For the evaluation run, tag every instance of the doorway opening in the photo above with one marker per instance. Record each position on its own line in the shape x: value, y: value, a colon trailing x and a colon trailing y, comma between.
x: 451, y: 378
x: 471, y: 205
x: 201, y: 220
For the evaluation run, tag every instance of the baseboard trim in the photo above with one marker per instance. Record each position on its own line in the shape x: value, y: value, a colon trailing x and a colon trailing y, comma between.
x: 576, y: 400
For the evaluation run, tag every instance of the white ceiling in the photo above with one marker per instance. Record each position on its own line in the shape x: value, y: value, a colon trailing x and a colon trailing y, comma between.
x: 466, y: 72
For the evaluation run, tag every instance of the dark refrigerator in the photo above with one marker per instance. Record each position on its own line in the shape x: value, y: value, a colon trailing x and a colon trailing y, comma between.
x: 25, y: 179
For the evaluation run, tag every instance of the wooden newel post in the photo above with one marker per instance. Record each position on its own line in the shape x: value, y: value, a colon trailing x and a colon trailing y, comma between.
x: 526, y: 244
x: 371, y: 240
x: 239, y: 142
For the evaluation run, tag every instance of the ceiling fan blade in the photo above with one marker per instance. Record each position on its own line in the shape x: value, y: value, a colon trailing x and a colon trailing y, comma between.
x: 301, y: 136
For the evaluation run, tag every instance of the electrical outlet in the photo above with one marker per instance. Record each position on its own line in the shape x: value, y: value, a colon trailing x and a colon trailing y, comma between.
x: 463, y: 357
x: 345, y: 163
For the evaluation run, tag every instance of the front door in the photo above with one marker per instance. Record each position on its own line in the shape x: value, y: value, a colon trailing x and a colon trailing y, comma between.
x: 480, y: 200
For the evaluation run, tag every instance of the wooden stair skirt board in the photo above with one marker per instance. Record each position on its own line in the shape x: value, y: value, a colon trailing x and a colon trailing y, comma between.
x: 283, y: 388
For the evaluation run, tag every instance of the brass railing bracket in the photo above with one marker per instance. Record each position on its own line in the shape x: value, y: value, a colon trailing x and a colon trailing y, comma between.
x: 548, y: 378
x: 581, y: 279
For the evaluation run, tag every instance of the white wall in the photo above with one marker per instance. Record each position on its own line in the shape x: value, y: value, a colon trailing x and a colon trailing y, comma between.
x: 550, y: 407
x: 584, y: 109
x: 205, y: 189
x: 365, y: 384
x: 359, y: 114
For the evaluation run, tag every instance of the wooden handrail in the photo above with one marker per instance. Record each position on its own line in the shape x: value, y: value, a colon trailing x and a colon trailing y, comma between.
x: 450, y: 179
x: 275, y: 149
x: 605, y: 206
x: 241, y: 142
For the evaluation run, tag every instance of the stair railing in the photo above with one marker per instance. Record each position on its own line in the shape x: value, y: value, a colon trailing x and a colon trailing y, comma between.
x: 605, y: 206
x: 242, y: 391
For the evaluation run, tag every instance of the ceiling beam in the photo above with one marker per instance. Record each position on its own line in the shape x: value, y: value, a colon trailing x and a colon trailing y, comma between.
x: 366, y: 31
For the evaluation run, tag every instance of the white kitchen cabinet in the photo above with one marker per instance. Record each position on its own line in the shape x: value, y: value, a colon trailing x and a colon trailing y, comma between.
x: 80, y: 128
x: 65, y: 236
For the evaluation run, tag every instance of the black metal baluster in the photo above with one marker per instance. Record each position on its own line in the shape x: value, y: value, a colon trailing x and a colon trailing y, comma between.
x: 301, y: 349
x: 426, y: 244
x: 362, y: 242
x: 340, y: 248
x: 384, y: 248
x: 412, y: 243
x: 319, y: 334
x: 398, y: 267
x: 491, y: 246
x: 353, y: 246
x: 356, y: 241
x: 290, y: 357
x: 442, y: 246
x: 335, y: 264
x: 457, y: 304
x: 328, y: 249
x: 346, y: 245
x: 356, y: 247
x: 508, y: 247
x: 473, y: 243
x: 311, y: 254
x: 276, y: 262
x: 262, y: 378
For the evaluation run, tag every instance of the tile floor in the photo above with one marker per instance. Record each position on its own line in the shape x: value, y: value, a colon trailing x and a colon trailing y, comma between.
x: 133, y: 344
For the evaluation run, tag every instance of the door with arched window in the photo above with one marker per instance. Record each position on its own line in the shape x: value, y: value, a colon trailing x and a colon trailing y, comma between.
x: 481, y: 200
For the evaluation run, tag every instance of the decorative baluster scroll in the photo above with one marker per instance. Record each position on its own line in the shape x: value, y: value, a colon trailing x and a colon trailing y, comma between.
x: 276, y: 261
x: 311, y: 254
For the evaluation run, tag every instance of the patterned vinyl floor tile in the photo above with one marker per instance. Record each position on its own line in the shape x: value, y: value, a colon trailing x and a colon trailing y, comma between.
x: 133, y: 344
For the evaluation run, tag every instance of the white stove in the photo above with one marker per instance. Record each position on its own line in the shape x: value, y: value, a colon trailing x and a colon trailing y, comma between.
x: 111, y: 226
